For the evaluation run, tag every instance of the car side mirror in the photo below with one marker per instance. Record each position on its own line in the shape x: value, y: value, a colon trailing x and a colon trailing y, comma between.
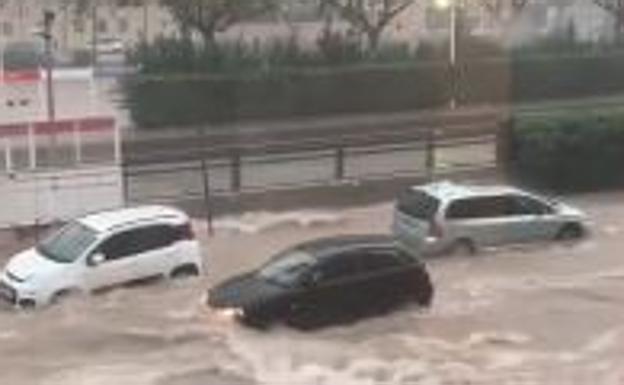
x: 96, y: 259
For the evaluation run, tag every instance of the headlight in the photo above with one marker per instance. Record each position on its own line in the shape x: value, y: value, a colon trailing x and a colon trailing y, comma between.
x: 230, y: 313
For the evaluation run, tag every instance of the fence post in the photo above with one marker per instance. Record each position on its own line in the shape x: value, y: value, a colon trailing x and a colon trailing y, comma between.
x: 430, y: 154
x: 339, y: 170
x: 236, y: 182
x: 504, y: 150
x: 124, y: 183
x: 203, y: 163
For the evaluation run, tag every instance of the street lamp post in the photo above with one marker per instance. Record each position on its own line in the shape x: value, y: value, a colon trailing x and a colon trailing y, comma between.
x: 451, y: 7
x: 453, y: 52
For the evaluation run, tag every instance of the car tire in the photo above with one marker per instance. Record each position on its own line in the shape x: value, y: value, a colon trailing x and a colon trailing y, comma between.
x: 423, y: 291
x: 570, y: 232
x: 184, y: 272
x: 255, y: 317
x: 61, y: 295
x: 462, y: 248
x: 27, y: 305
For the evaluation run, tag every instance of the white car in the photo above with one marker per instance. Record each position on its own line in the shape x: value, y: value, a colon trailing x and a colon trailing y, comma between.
x: 107, y: 46
x: 103, y: 250
x: 451, y: 218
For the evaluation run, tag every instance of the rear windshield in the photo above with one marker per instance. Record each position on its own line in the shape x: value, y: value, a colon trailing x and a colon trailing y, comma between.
x: 418, y: 204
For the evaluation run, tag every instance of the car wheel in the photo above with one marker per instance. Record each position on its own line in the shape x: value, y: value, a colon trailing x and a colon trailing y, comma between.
x: 184, y: 271
x: 462, y: 248
x: 254, y: 317
x: 27, y: 304
x: 570, y: 232
x: 423, y: 290
x: 62, y: 295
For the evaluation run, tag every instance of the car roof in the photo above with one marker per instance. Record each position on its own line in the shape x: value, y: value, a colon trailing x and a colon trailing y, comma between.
x: 322, y: 247
x: 105, y: 221
x: 448, y: 191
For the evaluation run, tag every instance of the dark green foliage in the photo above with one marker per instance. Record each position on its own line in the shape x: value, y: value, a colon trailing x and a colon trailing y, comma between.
x: 181, y: 83
x: 570, y: 153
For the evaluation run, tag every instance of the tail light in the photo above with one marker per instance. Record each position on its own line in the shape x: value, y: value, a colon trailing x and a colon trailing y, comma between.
x: 435, y: 229
x: 186, y: 232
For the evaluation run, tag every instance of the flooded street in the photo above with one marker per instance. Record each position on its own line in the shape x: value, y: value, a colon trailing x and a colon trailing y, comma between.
x: 541, y: 314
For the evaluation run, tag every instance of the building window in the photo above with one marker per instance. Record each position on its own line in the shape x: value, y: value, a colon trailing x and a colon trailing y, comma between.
x: 79, y: 25
x: 102, y: 26
x: 122, y: 26
x: 436, y: 19
x: 6, y: 29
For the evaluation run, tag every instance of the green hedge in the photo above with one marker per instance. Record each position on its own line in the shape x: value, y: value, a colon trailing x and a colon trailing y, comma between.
x: 170, y: 100
x: 570, y: 153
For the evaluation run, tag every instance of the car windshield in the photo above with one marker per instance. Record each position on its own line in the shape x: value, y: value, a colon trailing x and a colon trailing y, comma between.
x: 418, y: 204
x: 67, y: 244
x: 286, y: 269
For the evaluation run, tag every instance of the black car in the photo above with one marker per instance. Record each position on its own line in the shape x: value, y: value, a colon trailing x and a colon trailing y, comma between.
x: 320, y: 282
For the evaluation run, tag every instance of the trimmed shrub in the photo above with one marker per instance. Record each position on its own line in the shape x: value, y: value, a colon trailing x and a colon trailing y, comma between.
x: 570, y: 153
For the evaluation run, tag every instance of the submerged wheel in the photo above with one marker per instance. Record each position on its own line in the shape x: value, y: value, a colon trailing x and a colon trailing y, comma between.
x: 570, y: 232
x: 462, y: 248
x: 184, y: 271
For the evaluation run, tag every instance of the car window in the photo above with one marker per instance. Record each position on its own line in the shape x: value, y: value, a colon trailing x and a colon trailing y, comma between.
x: 523, y: 205
x: 287, y: 268
x: 418, y: 204
x: 137, y: 241
x: 375, y: 260
x: 338, y: 267
x: 69, y: 243
x: 481, y: 207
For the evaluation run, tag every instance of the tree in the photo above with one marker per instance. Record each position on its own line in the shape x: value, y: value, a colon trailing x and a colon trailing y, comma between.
x: 616, y: 9
x: 368, y: 17
x: 208, y: 17
x: 497, y: 7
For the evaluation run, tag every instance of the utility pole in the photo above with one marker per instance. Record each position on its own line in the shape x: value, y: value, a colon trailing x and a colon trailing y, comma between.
x: 94, y: 34
x: 48, y: 22
x: 453, y: 53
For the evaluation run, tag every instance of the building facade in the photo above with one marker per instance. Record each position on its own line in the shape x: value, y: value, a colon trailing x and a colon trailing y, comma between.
x: 135, y: 20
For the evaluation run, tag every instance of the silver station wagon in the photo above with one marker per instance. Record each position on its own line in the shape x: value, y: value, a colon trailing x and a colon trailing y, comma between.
x: 458, y: 219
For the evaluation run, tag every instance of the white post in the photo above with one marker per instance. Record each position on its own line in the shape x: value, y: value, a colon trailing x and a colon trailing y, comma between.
x: 8, y: 156
x: 32, y: 147
x: 77, y: 142
x: 117, y: 143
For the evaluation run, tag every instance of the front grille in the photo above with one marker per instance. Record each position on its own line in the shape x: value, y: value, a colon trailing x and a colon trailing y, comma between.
x: 7, y: 293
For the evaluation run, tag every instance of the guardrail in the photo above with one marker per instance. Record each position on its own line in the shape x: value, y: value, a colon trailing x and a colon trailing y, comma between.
x: 244, y: 160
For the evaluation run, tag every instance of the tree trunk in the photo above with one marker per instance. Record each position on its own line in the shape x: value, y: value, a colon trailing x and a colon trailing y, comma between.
x: 619, y: 29
x: 374, y: 37
x: 209, y: 36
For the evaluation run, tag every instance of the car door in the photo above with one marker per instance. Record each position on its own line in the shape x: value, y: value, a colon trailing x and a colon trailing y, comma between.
x: 536, y: 220
x: 384, y: 280
x: 131, y: 255
x: 335, y: 285
x: 482, y: 220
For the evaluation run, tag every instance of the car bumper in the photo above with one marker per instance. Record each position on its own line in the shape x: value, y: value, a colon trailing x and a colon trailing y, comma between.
x: 15, y: 296
x: 424, y: 247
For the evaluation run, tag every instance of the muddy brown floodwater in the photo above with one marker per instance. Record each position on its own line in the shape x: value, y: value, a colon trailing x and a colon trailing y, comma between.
x: 542, y: 314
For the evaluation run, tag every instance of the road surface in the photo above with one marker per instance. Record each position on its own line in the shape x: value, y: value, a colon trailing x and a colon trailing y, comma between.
x: 543, y: 314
